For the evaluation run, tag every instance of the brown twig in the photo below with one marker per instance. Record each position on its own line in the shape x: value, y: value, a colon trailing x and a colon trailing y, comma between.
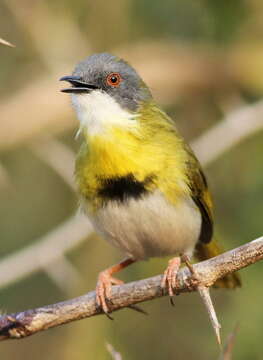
x: 22, y: 324
x: 227, y: 352
x: 114, y: 354
x: 45, y: 251
x: 58, y: 156
x: 237, y: 125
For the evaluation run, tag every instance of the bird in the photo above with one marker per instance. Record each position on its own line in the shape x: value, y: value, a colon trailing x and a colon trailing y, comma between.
x: 138, y: 181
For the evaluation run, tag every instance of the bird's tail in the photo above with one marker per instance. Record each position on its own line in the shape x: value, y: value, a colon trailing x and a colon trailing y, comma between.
x: 207, y: 251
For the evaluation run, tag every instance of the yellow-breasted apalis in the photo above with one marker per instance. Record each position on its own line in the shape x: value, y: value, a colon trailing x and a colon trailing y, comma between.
x: 139, y: 182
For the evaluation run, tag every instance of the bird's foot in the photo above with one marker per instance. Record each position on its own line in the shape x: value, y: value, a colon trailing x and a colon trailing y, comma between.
x: 169, y: 280
x: 193, y: 281
x: 103, y: 290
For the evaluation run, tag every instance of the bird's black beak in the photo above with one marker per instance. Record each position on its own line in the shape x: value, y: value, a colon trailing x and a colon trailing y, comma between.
x: 78, y: 85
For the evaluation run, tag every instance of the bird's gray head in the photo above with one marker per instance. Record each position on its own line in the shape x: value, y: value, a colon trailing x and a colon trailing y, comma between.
x: 108, y: 74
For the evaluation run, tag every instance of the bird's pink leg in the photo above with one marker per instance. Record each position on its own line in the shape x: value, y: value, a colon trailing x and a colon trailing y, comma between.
x: 105, y: 282
x: 170, y: 275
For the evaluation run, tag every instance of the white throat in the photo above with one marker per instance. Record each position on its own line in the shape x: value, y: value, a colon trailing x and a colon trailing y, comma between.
x: 97, y: 111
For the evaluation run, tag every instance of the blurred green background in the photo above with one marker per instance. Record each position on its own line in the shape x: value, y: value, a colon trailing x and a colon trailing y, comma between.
x: 202, y: 59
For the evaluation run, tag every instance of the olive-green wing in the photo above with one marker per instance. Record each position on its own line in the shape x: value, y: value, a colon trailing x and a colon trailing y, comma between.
x: 206, y: 248
x: 201, y: 196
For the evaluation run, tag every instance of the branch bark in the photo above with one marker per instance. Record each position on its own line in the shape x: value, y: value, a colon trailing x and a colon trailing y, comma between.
x: 22, y: 324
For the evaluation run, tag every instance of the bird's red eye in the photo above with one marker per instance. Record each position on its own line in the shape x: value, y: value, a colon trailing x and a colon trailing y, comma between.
x: 113, y: 79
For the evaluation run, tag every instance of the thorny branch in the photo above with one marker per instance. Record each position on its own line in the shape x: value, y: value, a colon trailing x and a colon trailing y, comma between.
x: 22, y: 324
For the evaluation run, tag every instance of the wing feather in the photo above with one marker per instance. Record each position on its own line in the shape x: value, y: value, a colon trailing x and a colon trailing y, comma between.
x: 201, y: 196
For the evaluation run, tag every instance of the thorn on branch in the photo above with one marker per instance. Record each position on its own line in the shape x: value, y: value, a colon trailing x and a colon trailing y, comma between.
x: 205, y: 295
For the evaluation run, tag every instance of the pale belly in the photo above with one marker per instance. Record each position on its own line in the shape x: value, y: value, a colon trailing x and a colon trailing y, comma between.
x: 150, y: 226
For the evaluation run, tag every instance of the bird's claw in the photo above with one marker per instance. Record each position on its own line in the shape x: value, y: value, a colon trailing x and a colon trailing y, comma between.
x: 191, y: 283
x: 170, y: 281
x: 103, y: 291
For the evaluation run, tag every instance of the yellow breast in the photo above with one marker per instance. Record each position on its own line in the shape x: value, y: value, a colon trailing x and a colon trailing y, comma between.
x: 152, y: 149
